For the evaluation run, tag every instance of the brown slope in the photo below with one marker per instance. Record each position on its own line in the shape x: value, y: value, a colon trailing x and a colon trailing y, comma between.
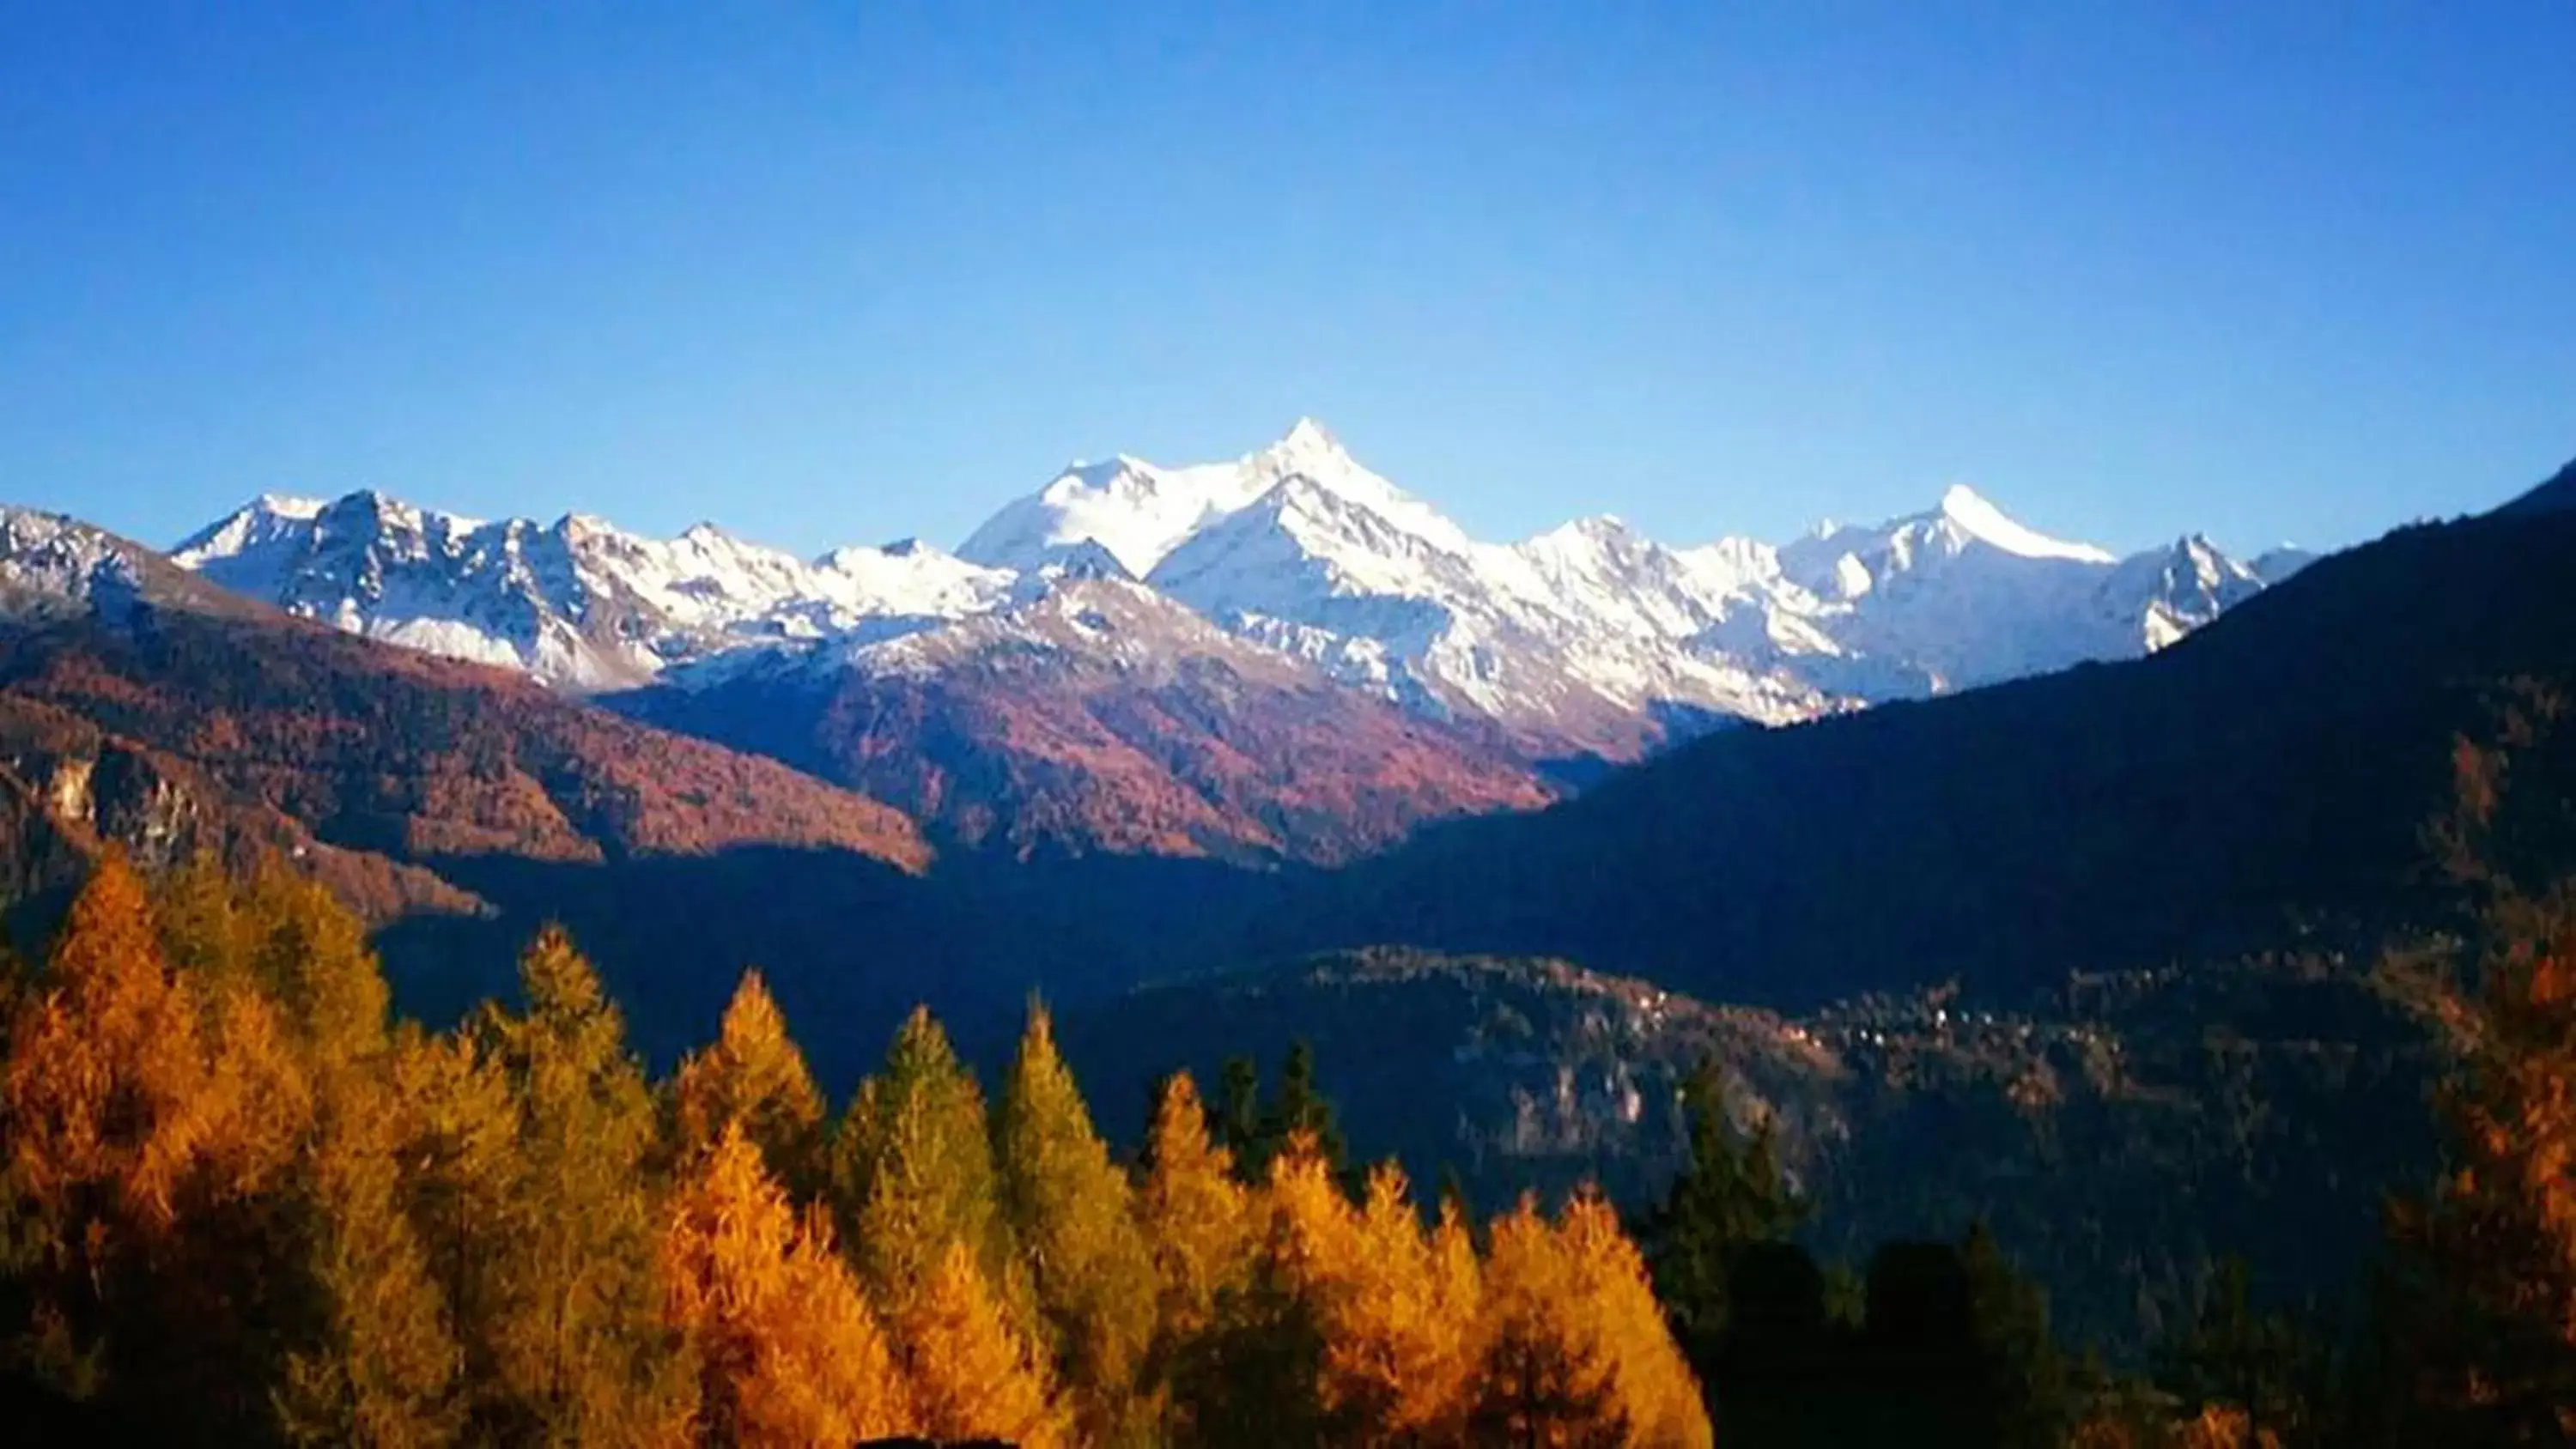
x: 220, y: 722
x: 416, y: 757
x: 1104, y: 717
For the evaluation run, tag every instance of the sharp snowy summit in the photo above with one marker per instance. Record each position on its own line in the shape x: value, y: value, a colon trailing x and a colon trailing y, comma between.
x: 1588, y: 638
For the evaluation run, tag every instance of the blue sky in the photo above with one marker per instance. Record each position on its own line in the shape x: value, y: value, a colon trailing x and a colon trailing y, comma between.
x: 847, y: 272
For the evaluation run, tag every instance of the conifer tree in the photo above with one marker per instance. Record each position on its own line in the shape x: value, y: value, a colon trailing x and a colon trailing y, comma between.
x: 458, y: 1127
x: 787, y: 1350
x: 382, y: 1367
x: 973, y: 1375
x: 309, y: 953
x: 1254, y: 1375
x: 913, y: 1173
x: 578, y: 1347
x: 754, y: 1075
x: 1576, y: 1350
x: 1196, y: 1216
x: 1301, y: 1110
x: 2026, y: 1374
x: 1398, y: 1310
x: 147, y: 1124
x: 1069, y: 1209
x: 1238, y: 1120
x: 1730, y: 1197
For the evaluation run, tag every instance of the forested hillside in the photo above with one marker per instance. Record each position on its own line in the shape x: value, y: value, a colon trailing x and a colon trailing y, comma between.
x: 245, y: 1205
x: 2262, y: 784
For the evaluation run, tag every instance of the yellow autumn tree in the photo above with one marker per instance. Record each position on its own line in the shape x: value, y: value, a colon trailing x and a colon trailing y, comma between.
x: 1576, y: 1349
x: 1397, y: 1319
x: 2488, y: 1258
x: 972, y: 1375
x: 382, y: 1368
x: 570, y: 1305
x: 754, y: 1076
x: 1255, y: 1373
x: 1196, y: 1216
x: 147, y: 1124
x: 788, y: 1352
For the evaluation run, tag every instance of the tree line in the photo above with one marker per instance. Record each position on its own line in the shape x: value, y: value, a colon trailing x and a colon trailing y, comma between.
x: 2461, y: 1332
x: 242, y: 1202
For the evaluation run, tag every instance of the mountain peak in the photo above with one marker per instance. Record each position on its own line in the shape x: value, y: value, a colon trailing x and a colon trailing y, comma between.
x: 287, y: 505
x: 1308, y: 435
x: 1307, y: 447
x: 1973, y: 514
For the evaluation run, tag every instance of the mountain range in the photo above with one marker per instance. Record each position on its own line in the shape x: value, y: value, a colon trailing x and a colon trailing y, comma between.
x: 1960, y: 937
x: 1203, y: 659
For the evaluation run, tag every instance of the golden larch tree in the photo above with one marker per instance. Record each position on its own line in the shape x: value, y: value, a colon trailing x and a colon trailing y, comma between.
x: 1196, y: 1216
x: 573, y: 1301
x: 788, y: 1352
x: 973, y: 1376
x: 149, y: 1124
x: 1576, y: 1348
x: 754, y: 1075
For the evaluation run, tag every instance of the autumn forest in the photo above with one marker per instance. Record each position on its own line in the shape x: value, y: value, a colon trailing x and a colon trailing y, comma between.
x: 246, y: 1205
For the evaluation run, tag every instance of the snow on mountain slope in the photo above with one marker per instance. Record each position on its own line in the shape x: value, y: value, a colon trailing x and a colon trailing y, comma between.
x: 53, y: 567
x: 1589, y: 637
x: 576, y: 602
x: 1559, y: 644
x: 50, y: 564
x: 1140, y: 512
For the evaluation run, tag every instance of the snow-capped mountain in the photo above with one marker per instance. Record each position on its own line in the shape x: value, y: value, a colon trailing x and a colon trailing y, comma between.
x: 1590, y: 637
x: 50, y: 564
x: 575, y: 602
x: 1139, y: 512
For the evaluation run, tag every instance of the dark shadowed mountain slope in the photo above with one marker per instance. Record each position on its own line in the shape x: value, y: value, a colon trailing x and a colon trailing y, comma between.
x: 2115, y: 1137
x: 2558, y: 495
x: 2267, y: 778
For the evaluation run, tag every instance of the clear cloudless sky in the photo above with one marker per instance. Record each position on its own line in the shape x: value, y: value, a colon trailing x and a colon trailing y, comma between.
x: 851, y: 271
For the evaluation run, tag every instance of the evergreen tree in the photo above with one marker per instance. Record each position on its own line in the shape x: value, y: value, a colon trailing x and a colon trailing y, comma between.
x: 913, y: 1173
x: 787, y: 1350
x: 1069, y: 1208
x: 2026, y: 1374
x: 1730, y: 1197
x: 754, y: 1076
x: 1238, y: 1120
x: 1301, y: 1110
